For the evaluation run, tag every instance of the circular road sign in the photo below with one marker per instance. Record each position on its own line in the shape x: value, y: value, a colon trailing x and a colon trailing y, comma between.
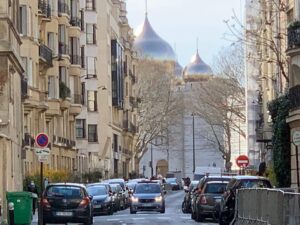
x: 42, y: 140
x: 296, y: 138
x: 242, y: 161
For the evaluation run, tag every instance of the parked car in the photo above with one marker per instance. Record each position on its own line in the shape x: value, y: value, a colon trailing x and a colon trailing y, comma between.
x: 66, y: 203
x: 147, y: 196
x: 174, y: 183
x: 199, y: 188
x: 186, y: 204
x: 102, y: 200
x: 209, y: 197
x: 118, y: 197
x: 227, y: 205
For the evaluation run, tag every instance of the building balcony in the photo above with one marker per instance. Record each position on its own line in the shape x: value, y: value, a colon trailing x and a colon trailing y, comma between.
x: 54, y: 107
x: 44, y: 8
x: 45, y: 55
x: 76, y: 106
x: 43, y: 105
x: 63, y: 8
x: 75, y: 22
x: 24, y: 88
x: 75, y: 59
x: 294, y: 96
x: 293, y: 36
x: 61, y: 141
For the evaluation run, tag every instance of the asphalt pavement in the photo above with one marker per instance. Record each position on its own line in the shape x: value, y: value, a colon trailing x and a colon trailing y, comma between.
x: 172, y: 216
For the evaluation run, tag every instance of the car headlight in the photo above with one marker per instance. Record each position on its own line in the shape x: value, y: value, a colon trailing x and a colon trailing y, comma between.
x: 158, y: 199
x: 113, y: 197
x: 134, y: 199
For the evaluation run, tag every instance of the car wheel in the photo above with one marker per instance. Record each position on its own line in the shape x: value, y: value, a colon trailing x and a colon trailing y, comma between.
x: 132, y: 212
x: 183, y: 207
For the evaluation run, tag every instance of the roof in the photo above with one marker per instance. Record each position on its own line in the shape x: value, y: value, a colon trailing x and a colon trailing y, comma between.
x: 150, y: 45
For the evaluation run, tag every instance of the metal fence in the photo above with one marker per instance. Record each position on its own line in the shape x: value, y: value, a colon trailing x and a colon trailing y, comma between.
x: 267, y: 207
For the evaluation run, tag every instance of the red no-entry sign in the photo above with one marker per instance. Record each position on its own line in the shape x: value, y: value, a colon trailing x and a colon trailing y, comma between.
x: 242, y: 161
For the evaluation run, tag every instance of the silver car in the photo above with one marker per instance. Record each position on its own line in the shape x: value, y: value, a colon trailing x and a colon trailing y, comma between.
x: 147, y: 196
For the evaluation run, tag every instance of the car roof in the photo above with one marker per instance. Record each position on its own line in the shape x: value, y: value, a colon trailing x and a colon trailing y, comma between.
x: 248, y: 177
x: 218, y: 182
x: 116, y: 180
x: 66, y: 184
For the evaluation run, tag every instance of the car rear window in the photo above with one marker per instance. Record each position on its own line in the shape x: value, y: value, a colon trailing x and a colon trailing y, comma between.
x: 255, y: 184
x: 215, y: 188
x: 147, y: 188
x: 97, y: 190
x: 65, y: 192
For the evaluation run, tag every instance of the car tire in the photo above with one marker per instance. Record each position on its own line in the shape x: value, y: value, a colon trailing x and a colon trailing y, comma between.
x: 132, y: 212
x: 183, y: 207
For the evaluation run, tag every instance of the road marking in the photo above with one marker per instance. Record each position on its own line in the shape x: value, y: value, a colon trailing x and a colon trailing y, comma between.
x: 141, y: 218
x: 116, y: 219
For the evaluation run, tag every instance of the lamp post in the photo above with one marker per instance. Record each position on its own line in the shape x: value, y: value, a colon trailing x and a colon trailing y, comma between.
x: 193, y: 115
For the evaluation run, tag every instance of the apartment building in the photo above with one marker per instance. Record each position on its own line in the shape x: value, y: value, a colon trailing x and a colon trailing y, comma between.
x: 50, y: 32
x: 12, y: 90
x: 104, y: 138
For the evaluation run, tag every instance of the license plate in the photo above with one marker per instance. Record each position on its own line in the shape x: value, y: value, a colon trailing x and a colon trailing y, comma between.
x: 64, y: 213
x: 148, y: 204
x: 97, y: 206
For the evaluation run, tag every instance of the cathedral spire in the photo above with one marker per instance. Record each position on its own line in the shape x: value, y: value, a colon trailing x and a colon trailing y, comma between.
x: 146, y: 8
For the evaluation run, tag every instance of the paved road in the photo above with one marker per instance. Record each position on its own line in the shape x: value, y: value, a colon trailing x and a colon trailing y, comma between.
x: 173, y: 215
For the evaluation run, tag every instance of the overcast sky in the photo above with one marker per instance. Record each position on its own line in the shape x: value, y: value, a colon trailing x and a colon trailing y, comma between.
x: 182, y: 21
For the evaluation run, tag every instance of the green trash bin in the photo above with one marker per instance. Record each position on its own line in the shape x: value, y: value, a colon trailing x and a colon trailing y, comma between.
x: 23, y: 202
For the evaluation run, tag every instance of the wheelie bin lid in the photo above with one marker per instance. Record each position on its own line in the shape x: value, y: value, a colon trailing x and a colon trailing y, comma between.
x: 21, y: 194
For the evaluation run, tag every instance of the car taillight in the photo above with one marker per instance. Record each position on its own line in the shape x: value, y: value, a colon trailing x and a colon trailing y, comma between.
x: 203, y: 200
x: 45, y: 203
x: 85, y: 202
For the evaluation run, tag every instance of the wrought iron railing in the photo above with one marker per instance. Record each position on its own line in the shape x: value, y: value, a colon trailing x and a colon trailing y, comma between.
x: 76, y: 99
x: 293, y: 34
x: 75, y: 21
x: 75, y: 59
x: 44, y: 8
x: 63, y: 7
x: 294, y: 96
x: 46, y: 54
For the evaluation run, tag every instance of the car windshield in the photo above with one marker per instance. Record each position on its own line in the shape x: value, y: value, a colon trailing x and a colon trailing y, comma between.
x: 215, y: 188
x: 131, y: 185
x: 97, y: 190
x: 147, y: 188
x: 65, y: 192
x: 171, y: 180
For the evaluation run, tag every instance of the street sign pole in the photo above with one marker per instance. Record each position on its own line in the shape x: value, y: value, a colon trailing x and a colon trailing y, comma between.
x: 296, y: 142
x: 40, y: 214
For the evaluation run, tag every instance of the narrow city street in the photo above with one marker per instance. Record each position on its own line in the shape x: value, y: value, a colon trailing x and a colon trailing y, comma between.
x: 172, y: 216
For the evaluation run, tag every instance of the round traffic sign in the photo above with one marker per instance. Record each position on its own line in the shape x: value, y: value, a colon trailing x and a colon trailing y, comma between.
x: 242, y: 161
x: 296, y: 138
x: 42, y: 140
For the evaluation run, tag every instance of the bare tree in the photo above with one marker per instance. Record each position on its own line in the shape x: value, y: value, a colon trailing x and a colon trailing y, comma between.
x: 220, y: 100
x: 264, y: 30
x: 158, y: 102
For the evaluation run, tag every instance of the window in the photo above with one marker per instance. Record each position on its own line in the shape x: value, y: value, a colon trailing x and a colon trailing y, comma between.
x: 91, y: 67
x: 27, y: 62
x: 90, y: 5
x: 23, y: 20
x: 126, y: 89
x: 74, y: 50
x: 82, y: 56
x: 115, y: 143
x: 62, y: 47
x: 51, y: 87
x: 80, y: 128
x: 90, y: 33
x: 92, y: 101
x: 63, y: 75
x: 92, y: 136
x: 51, y: 41
x: 82, y: 93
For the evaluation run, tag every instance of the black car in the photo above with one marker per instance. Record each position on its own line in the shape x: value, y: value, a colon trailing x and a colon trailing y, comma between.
x: 186, y: 204
x: 147, y: 196
x: 102, y: 200
x: 66, y: 203
x: 227, y: 205
x: 197, y: 192
x: 118, y: 197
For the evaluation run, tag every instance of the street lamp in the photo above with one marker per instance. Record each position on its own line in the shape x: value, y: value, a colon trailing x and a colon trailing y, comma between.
x: 193, y: 115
